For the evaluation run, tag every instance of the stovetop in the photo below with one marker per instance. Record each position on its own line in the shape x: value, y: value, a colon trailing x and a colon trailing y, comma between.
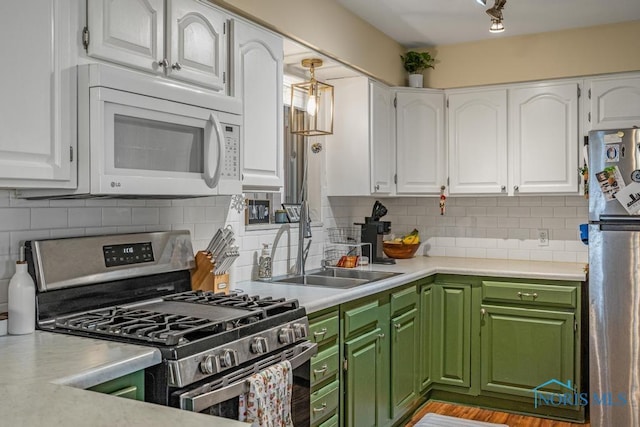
x: 178, y: 319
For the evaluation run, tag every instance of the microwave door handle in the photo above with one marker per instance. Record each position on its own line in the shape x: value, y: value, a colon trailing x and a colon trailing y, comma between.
x: 215, y: 142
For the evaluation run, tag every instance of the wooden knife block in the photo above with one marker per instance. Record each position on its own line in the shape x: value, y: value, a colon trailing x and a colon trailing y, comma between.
x: 202, y: 277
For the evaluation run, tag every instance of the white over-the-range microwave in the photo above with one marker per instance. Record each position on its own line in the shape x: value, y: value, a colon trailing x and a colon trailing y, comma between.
x: 145, y: 136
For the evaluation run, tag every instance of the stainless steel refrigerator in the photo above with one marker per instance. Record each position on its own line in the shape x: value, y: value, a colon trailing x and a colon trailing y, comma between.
x: 614, y: 278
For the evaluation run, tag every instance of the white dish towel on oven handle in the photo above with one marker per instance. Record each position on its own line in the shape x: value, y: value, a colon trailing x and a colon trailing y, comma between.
x: 268, y: 402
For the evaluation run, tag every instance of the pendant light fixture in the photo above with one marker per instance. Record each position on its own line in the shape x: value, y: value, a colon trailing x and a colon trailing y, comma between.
x: 317, y: 117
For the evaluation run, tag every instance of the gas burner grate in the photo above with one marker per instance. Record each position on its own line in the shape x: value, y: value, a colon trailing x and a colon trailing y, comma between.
x: 271, y: 306
x: 139, y: 324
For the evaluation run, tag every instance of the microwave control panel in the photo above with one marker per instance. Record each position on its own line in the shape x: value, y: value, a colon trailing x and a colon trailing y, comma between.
x: 231, y: 166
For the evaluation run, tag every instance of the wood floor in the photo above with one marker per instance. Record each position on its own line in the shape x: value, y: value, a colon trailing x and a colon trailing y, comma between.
x: 478, y: 414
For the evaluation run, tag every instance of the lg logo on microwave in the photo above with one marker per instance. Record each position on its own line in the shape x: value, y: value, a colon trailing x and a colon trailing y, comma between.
x: 115, y: 184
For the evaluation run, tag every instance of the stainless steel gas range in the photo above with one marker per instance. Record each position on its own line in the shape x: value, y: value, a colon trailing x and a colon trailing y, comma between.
x: 136, y: 288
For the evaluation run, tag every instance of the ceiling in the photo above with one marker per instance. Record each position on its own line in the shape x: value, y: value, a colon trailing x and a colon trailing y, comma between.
x: 422, y: 23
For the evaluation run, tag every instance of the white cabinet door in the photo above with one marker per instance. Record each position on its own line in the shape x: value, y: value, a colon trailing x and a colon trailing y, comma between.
x: 129, y: 32
x: 38, y: 87
x: 615, y: 102
x: 258, y: 61
x: 420, y: 142
x: 196, y: 43
x: 478, y: 142
x: 381, y: 128
x: 543, y: 139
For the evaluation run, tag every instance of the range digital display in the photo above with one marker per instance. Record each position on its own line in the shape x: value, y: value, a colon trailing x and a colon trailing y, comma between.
x: 133, y: 253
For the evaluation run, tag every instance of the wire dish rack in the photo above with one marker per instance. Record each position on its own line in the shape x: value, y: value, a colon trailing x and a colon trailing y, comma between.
x: 343, y: 248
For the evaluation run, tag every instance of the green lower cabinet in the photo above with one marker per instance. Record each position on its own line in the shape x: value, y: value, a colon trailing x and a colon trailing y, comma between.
x: 523, y: 348
x: 404, y: 358
x: 452, y: 334
x: 425, y: 341
x: 129, y: 386
x: 365, y: 388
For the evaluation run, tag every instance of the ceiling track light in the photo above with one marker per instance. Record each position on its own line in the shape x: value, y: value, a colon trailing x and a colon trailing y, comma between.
x: 482, y: 2
x: 495, y: 13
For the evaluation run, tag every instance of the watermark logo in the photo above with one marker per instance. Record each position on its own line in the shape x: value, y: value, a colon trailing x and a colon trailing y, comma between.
x: 571, y: 397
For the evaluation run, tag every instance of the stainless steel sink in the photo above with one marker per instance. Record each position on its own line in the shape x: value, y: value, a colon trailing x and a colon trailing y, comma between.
x: 336, y: 278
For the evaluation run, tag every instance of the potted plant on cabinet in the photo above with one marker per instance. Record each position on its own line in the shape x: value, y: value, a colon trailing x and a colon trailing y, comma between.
x: 414, y: 63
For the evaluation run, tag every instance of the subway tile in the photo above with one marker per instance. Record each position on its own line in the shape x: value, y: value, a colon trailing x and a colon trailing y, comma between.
x: 508, y: 244
x: 529, y: 201
x: 131, y: 202
x: 156, y: 203
x: 4, y: 198
x: 84, y: 217
x: 540, y: 255
x: 563, y: 234
x: 5, y: 243
x: 486, y: 201
x: 565, y: 256
x: 101, y: 203
x: 582, y: 257
x: 518, y: 233
x: 14, y: 219
x: 49, y: 218
x: 552, y: 201
x: 117, y: 216
x: 530, y: 222
x: 465, y: 242
x: 465, y: 221
x: 519, y: 212
x: 18, y: 238
x: 497, y: 233
x: 496, y: 211
x: 476, y: 232
x: 26, y: 203
x: 553, y: 223
x: 509, y: 222
x: 455, y: 231
x: 7, y: 267
x: 171, y: 215
x: 62, y: 233
x: 446, y: 242
x: 466, y: 201
x: 499, y: 253
x: 477, y: 211
x: 576, y: 201
x: 476, y: 252
x: 455, y: 211
x: 416, y: 210
x: 518, y: 254
x: 565, y: 212
x: 193, y: 214
x: 145, y: 216
x: 67, y: 203
x: 487, y: 243
x: 455, y: 252
x: 508, y: 201
x: 487, y: 222
x: 542, y: 212
x: 123, y: 229
x: 93, y: 231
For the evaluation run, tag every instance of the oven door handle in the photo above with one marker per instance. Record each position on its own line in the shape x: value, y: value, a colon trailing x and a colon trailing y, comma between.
x: 203, y: 401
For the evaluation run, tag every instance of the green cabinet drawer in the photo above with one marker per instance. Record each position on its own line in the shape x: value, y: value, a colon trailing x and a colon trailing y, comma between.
x: 530, y: 294
x: 130, y: 386
x: 360, y: 317
x: 324, y: 328
x: 324, y: 402
x: 324, y: 365
x: 331, y: 422
x: 403, y: 300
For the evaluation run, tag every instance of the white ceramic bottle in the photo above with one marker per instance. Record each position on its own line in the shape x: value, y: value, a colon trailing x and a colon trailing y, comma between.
x: 22, y: 301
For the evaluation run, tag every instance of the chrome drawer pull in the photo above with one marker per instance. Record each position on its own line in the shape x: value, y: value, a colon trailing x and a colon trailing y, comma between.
x: 320, y: 409
x: 527, y: 294
x: 322, y: 370
x: 397, y: 325
x: 321, y: 333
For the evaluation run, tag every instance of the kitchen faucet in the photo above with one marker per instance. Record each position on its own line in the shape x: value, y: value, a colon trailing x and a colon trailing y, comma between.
x: 304, y: 231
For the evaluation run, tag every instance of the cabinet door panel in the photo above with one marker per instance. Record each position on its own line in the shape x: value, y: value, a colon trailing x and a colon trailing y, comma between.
x: 129, y: 32
x: 426, y: 319
x: 420, y: 142
x: 382, y: 136
x: 453, y: 334
x: 37, y: 119
x: 363, y: 378
x: 543, y: 138
x: 196, y: 43
x: 615, y: 102
x: 259, y: 68
x: 524, y: 348
x: 404, y: 353
x: 478, y: 142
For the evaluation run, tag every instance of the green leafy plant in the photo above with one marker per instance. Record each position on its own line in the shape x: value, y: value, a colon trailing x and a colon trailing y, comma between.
x: 415, y: 62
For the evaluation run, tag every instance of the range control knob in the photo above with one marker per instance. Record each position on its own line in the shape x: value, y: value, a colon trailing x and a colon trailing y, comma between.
x: 208, y: 365
x: 228, y: 358
x: 286, y: 335
x: 300, y: 330
x: 259, y: 345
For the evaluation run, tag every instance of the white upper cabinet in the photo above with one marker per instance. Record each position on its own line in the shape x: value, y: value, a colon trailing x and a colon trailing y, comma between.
x: 614, y: 102
x: 381, y: 128
x: 38, y: 87
x: 477, y: 125
x: 543, y: 138
x: 420, y: 142
x: 258, y: 61
x: 185, y: 41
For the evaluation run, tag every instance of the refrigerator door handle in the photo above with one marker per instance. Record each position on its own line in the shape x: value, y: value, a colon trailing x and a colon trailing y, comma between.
x: 620, y: 227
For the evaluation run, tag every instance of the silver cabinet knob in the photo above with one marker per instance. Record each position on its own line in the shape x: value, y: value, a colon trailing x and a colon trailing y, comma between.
x: 377, y: 187
x: 503, y: 188
x: 163, y: 63
x: 397, y: 325
x: 176, y: 66
x: 483, y: 312
x: 515, y: 188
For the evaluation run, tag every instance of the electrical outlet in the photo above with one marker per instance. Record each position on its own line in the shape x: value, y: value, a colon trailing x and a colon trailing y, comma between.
x: 543, y: 237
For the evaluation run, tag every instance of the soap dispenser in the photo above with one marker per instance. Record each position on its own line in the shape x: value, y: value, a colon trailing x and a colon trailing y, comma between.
x: 264, y: 264
x: 22, y: 300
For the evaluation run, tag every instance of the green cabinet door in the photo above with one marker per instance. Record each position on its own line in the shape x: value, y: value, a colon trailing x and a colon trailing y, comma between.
x: 425, y: 339
x: 363, y: 385
x: 523, y: 348
x: 452, y: 334
x: 404, y: 358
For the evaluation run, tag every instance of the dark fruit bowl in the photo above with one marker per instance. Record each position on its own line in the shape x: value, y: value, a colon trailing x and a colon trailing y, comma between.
x: 399, y: 250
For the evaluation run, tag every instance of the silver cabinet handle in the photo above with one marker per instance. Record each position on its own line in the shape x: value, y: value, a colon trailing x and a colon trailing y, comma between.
x: 527, y: 294
x: 163, y: 63
x: 321, y: 333
x: 503, y: 188
x: 176, y: 66
x: 397, y: 325
x: 515, y: 188
x: 321, y: 408
x: 377, y: 186
x: 483, y: 312
x: 321, y: 370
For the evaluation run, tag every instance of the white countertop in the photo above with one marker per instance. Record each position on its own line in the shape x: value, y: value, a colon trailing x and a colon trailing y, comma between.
x: 316, y: 298
x: 44, y: 374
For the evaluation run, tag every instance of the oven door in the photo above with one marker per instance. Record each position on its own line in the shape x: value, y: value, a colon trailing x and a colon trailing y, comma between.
x: 220, y: 397
x: 140, y: 145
